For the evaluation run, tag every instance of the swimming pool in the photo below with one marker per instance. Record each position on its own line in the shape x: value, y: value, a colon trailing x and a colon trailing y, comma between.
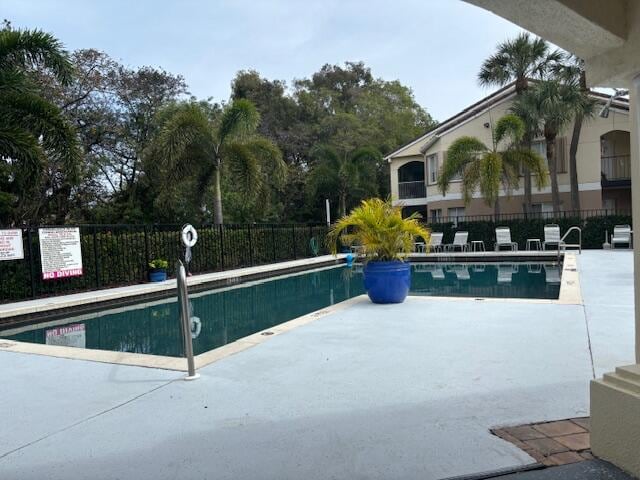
x: 232, y: 313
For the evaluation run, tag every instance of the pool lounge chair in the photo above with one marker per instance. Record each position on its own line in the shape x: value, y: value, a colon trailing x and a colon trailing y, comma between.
x: 621, y: 234
x: 435, y: 243
x: 552, y: 236
x: 459, y: 241
x: 503, y: 239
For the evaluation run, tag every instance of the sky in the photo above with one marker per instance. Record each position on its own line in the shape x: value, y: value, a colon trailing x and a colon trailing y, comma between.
x: 435, y: 47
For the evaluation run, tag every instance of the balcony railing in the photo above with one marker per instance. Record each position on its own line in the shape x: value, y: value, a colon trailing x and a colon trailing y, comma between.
x: 616, y: 167
x: 412, y: 189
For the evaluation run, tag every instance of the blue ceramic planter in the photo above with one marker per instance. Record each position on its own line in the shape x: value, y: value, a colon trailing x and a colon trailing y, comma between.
x: 387, y: 282
x: 157, y: 275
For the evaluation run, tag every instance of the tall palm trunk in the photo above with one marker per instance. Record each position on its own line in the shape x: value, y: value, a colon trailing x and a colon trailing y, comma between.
x: 496, y: 209
x: 573, y: 163
x: 217, y: 198
x: 343, y: 203
x: 573, y: 149
x: 550, y: 138
x: 528, y: 198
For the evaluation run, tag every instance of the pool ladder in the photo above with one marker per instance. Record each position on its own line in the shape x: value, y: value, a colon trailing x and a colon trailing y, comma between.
x: 185, y: 320
x: 563, y: 246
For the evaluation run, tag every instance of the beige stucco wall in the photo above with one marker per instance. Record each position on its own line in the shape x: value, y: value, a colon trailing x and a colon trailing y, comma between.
x: 589, y: 163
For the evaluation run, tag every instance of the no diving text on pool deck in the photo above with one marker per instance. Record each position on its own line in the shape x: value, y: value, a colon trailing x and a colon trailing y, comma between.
x: 60, y: 250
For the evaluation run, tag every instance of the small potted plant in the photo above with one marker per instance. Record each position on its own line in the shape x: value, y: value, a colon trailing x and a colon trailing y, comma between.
x: 386, y: 239
x: 158, y: 270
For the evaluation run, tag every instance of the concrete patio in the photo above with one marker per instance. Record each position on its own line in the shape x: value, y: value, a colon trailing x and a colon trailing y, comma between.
x: 404, y: 391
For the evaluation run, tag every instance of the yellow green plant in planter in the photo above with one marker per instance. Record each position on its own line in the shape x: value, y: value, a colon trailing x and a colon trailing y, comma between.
x: 385, y: 239
x: 158, y: 270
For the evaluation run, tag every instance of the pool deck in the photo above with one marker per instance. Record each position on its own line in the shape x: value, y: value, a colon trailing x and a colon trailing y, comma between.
x: 367, y: 391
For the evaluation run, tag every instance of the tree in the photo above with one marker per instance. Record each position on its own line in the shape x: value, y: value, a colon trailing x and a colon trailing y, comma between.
x: 195, y: 142
x: 572, y: 71
x: 518, y: 60
x: 487, y: 169
x: 347, y: 175
x: 33, y: 131
x: 553, y: 104
x: 113, y: 108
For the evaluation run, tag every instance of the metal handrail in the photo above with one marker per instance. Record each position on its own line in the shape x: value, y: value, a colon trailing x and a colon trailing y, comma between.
x: 185, y: 320
x: 563, y: 246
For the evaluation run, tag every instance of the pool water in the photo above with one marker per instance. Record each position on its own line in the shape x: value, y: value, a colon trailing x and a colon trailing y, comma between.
x: 229, y: 314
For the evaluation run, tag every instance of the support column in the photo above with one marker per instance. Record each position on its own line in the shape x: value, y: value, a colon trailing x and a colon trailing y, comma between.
x: 615, y: 399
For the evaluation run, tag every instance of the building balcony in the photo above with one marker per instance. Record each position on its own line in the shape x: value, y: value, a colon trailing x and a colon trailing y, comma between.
x: 412, y: 189
x: 616, y: 170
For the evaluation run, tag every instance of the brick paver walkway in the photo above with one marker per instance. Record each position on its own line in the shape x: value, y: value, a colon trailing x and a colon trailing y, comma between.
x: 551, y: 443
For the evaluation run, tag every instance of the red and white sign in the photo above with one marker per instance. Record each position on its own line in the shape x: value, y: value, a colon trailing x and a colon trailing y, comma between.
x: 11, y: 245
x: 67, y: 336
x: 60, y: 252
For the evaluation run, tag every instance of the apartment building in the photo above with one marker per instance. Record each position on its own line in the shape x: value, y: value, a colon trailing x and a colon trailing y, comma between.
x: 603, y: 159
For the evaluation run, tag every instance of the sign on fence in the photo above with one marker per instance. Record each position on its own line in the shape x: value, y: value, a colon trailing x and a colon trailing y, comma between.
x: 11, y: 245
x: 60, y: 252
x: 67, y: 336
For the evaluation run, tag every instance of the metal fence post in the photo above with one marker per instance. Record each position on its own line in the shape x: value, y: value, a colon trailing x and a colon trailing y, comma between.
x: 273, y: 242
x: 32, y: 275
x: 96, y: 256
x: 293, y: 235
x: 250, y: 245
x: 221, y: 234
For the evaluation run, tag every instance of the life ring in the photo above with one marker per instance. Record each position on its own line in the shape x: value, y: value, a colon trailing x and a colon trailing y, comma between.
x: 196, y: 327
x: 189, y: 235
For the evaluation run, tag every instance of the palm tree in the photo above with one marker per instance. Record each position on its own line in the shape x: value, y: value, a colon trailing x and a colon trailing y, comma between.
x: 572, y: 71
x: 32, y: 129
x: 195, y: 138
x: 518, y: 60
x: 345, y: 174
x: 487, y: 169
x: 552, y: 104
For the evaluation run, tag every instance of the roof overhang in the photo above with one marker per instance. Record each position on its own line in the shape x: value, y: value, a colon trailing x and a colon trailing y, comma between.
x: 605, y: 34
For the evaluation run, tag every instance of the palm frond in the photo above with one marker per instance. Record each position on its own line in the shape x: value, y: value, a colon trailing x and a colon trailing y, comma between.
x: 462, y: 151
x: 28, y: 48
x: 239, y: 120
x: 244, y: 167
x: 509, y: 128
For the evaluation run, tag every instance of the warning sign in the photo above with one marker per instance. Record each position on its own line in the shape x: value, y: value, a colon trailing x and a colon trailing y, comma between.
x: 60, y: 252
x: 67, y: 336
x: 11, y: 245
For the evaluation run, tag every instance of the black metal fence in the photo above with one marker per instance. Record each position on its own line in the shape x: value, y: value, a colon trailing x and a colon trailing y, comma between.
x: 595, y: 225
x: 115, y: 255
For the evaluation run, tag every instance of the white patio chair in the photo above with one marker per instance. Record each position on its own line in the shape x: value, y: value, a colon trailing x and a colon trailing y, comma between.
x: 552, y: 236
x: 552, y: 273
x: 621, y: 234
x: 505, y: 272
x: 435, y: 243
x: 503, y: 239
x: 459, y: 241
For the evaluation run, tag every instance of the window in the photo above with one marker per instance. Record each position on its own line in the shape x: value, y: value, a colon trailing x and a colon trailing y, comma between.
x: 436, y: 215
x: 540, y: 147
x: 432, y: 161
x: 544, y: 210
x: 455, y: 214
